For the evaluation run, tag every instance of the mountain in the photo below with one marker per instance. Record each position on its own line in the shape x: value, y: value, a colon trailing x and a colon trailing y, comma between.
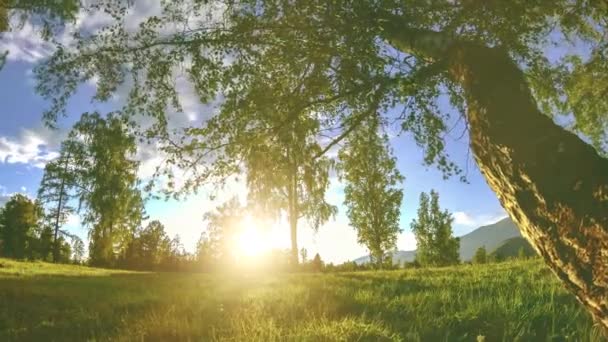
x: 491, y: 236
x: 398, y: 257
x: 510, y: 248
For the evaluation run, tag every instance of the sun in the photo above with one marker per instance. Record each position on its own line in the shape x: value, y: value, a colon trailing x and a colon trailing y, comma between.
x: 252, y: 241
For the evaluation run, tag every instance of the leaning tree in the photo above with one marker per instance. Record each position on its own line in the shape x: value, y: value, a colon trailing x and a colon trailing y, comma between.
x: 342, y: 61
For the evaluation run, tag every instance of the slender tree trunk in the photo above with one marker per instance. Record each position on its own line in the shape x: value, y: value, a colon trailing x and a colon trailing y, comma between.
x: 553, y: 185
x: 293, y: 216
x: 59, y: 208
x: 380, y: 261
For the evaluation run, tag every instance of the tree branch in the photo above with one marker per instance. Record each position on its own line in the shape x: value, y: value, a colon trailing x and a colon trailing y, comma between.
x: 425, y: 44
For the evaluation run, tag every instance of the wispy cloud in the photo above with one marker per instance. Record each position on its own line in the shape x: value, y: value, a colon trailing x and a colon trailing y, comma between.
x: 25, y: 44
x: 33, y: 147
x: 473, y: 221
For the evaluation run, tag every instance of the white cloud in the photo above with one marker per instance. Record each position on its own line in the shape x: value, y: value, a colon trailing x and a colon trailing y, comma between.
x: 25, y: 44
x: 474, y: 221
x: 34, y: 147
x: 92, y: 20
x: 149, y: 157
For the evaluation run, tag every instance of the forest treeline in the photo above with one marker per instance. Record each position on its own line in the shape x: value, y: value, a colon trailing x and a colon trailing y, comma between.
x: 94, y: 178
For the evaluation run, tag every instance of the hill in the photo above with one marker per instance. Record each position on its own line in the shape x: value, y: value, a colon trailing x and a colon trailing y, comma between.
x: 510, y: 248
x: 491, y: 236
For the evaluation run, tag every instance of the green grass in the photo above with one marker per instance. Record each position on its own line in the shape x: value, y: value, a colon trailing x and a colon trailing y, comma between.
x: 503, y: 302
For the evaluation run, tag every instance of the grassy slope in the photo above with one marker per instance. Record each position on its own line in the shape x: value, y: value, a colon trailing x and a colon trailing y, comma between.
x: 504, y: 302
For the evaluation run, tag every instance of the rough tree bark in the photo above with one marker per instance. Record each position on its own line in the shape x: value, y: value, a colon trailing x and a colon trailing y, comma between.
x: 553, y: 185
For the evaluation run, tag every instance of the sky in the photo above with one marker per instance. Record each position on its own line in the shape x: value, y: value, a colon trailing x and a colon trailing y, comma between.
x: 26, y: 145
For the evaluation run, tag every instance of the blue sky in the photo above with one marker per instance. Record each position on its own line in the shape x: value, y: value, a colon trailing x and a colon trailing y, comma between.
x: 25, y: 145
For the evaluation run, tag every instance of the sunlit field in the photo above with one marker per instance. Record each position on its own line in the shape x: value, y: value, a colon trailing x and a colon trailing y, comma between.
x: 516, y: 301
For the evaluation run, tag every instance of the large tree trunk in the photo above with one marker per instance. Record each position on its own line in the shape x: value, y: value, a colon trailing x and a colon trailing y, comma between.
x: 552, y: 184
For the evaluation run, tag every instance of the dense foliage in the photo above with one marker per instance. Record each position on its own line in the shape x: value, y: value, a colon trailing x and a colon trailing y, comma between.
x: 435, y: 241
x: 111, y: 197
x: 24, y: 236
x: 18, y: 221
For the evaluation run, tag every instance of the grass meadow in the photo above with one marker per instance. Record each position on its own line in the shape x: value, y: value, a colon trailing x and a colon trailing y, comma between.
x: 514, y: 301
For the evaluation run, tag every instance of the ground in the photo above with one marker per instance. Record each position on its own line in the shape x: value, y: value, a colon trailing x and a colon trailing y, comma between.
x: 518, y: 300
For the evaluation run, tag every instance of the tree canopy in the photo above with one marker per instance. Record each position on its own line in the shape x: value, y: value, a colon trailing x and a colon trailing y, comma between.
x: 104, y: 150
x: 338, y: 60
x: 18, y: 220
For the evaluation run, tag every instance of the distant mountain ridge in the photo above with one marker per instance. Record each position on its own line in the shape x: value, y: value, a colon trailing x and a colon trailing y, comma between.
x: 492, y: 236
x: 512, y: 246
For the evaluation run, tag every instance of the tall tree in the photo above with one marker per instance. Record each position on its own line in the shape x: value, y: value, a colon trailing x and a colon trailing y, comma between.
x: 57, y: 189
x: 435, y: 243
x: 18, y: 222
x: 365, y: 56
x: 284, y: 176
x: 371, y: 193
x: 112, y: 199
